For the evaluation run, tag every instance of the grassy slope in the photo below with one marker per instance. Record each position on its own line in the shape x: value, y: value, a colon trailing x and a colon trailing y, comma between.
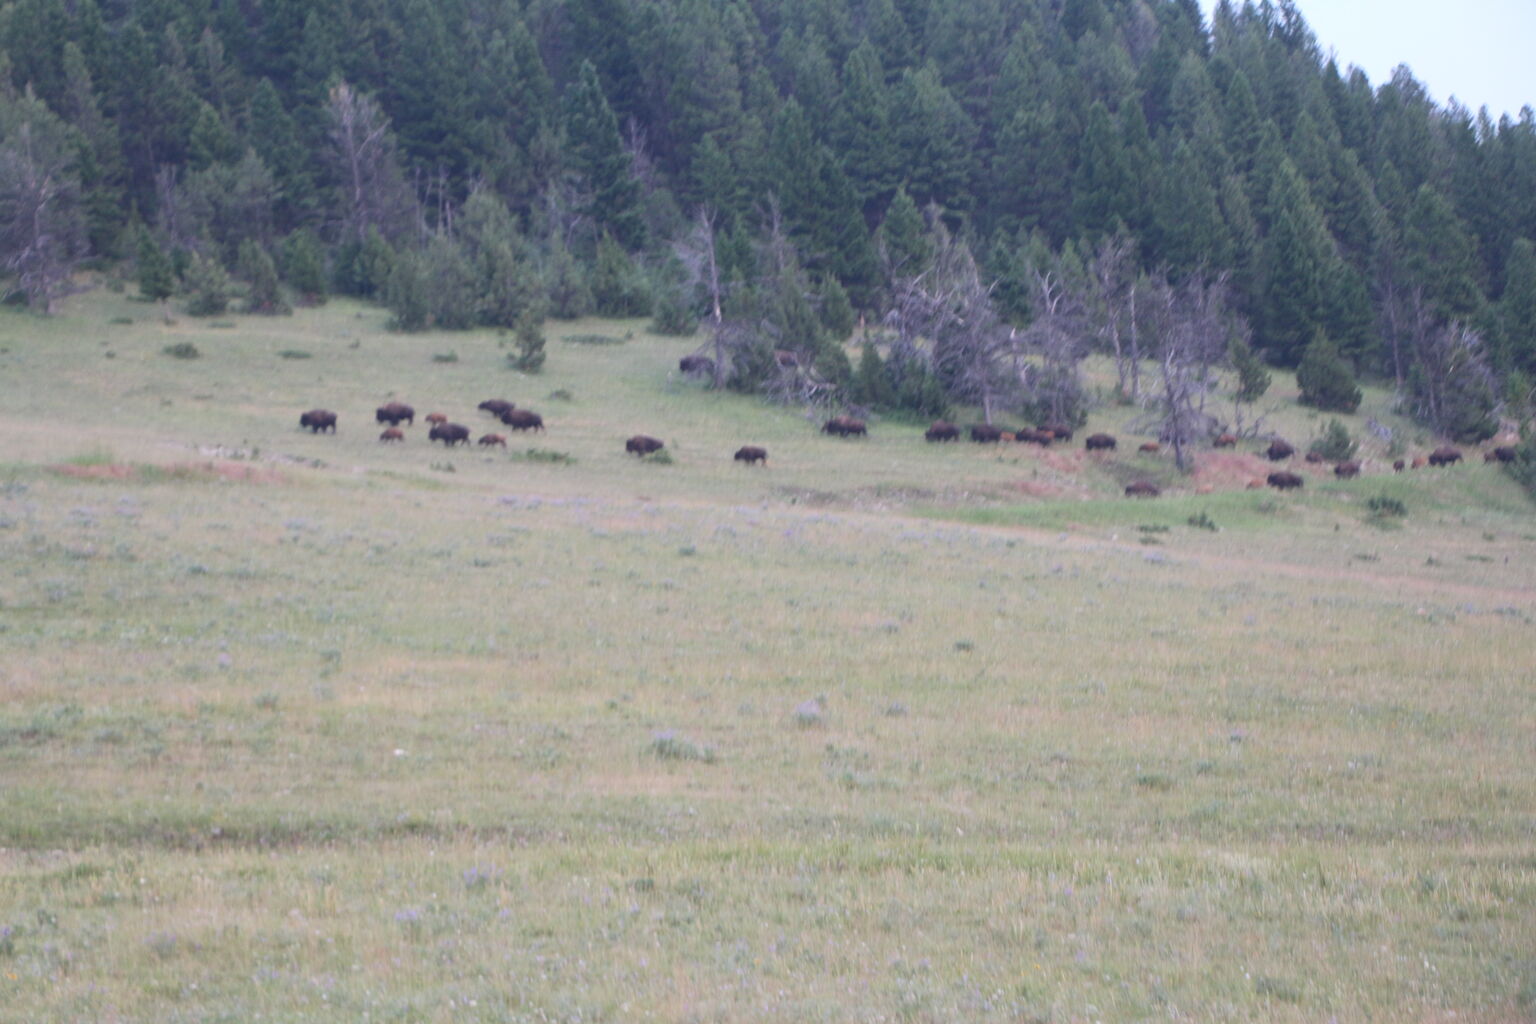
x: 310, y: 727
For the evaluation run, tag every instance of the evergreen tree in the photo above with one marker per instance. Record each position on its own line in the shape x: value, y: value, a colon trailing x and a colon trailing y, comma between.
x: 157, y: 278
x: 565, y: 284
x: 1297, y: 266
x: 1325, y: 379
x: 530, y: 342
x: 1517, y: 308
x: 597, y: 153
x: 263, y: 293
x: 207, y: 286
x: 407, y: 293
x: 1252, y: 379
x: 1439, y: 257
x: 617, y: 287
x: 1104, y: 188
x: 904, y: 246
x: 871, y: 383
x: 304, y: 267
x: 1334, y: 444
x: 836, y: 311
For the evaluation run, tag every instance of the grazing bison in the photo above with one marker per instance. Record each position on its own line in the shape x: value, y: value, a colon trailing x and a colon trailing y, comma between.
x: 1278, y: 450
x: 318, y: 420
x: 642, y: 445
x: 1285, y: 481
x: 845, y: 426
x: 392, y: 434
x: 1150, y: 447
x: 449, y: 433
x: 523, y: 419
x: 1142, y: 489
x: 1058, y: 431
x: 942, y: 430
x: 1099, y: 442
x: 1224, y: 441
x: 1314, y: 457
x: 986, y: 433
x: 496, y: 407
x: 701, y: 366
x: 751, y: 453
x: 1503, y: 453
x: 1418, y: 462
x: 1255, y: 485
x: 437, y: 419
x: 490, y: 440
x: 1028, y: 435
x: 1398, y: 465
x: 1444, y: 455
x: 393, y: 412
x: 1347, y: 469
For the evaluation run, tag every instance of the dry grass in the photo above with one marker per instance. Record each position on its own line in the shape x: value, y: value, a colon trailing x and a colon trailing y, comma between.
x: 310, y: 728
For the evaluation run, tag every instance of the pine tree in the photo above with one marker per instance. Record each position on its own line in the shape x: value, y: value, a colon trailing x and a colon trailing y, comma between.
x: 871, y: 383
x: 263, y: 293
x: 157, y: 278
x: 530, y: 342
x: 1325, y: 379
x: 1296, y: 269
x: 904, y: 245
x: 1252, y: 379
x: 836, y: 311
x: 617, y: 288
x: 1104, y: 188
x: 597, y: 153
x: 207, y: 287
x: 304, y: 267
x: 1439, y: 257
x: 1517, y: 308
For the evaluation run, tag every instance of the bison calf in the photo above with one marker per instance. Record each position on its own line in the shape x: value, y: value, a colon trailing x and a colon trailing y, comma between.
x: 488, y: 440
x: 751, y: 453
x: 1224, y: 441
x: 318, y: 420
x: 392, y: 434
x: 1150, y: 448
x: 642, y: 445
x: 1346, y: 470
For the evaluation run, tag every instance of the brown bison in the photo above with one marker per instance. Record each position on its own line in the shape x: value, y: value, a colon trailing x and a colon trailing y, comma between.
x: 497, y: 407
x: 942, y: 430
x: 523, y: 419
x: 1030, y: 435
x: 701, y: 366
x: 1348, y: 469
x: 437, y: 419
x: 392, y: 434
x: 393, y: 412
x: 751, y: 453
x: 1058, y: 431
x: 1099, y: 442
x: 1224, y: 441
x: 642, y: 445
x: 1142, y: 489
x: 1314, y: 457
x: 986, y: 433
x: 1150, y: 448
x: 1503, y: 453
x: 449, y: 433
x: 1398, y: 465
x: 1255, y: 485
x: 1278, y: 450
x: 492, y: 440
x: 317, y: 420
x: 1285, y: 481
x: 1444, y: 455
x: 845, y: 426
x: 1418, y: 462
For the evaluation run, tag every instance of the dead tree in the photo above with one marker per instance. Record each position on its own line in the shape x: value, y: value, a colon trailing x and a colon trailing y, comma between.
x: 1193, y: 324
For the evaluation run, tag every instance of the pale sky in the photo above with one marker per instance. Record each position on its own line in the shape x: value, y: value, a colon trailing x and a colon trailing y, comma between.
x: 1479, y: 51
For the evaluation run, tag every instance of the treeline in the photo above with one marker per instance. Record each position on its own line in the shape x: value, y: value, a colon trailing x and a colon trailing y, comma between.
x: 781, y: 168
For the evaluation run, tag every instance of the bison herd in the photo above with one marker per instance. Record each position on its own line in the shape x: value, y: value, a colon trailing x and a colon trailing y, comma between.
x: 641, y: 445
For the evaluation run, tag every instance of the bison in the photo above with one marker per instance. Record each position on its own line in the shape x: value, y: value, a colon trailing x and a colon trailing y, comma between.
x: 1418, y: 462
x: 701, y: 366
x: 1503, y: 453
x: 1347, y: 469
x: 1314, y: 457
x: 845, y: 426
x: 1142, y: 489
x: 497, y: 407
x: 317, y: 420
x: 986, y: 433
x: 1398, y: 465
x: 941, y: 430
x: 1444, y: 455
x: 642, y: 445
x: 751, y: 453
x: 1099, y: 442
x: 492, y: 440
x: 1278, y: 450
x: 1224, y: 441
x: 523, y: 419
x: 449, y: 433
x: 1030, y: 435
x: 1255, y: 485
x: 436, y: 419
x: 1150, y: 448
x: 392, y: 434
x: 393, y: 412
x: 1285, y: 481
x: 1058, y: 431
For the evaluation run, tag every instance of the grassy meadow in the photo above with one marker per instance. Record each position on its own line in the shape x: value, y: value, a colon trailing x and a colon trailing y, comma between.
x: 312, y: 728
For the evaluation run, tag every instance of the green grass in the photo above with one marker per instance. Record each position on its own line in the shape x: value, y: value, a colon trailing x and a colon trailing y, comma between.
x: 297, y: 727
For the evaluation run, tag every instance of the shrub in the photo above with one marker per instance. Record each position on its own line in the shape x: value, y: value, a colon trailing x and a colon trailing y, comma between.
x: 207, y: 288
x: 669, y: 746
x: 1385, y: 507
x: 1252, y: 379
x: 182, y: 350
x: 530, y: 343
x: 1334, y: 444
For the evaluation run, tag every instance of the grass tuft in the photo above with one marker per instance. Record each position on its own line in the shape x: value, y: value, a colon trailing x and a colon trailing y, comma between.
x: 181, y: 350
x: 669, y: 746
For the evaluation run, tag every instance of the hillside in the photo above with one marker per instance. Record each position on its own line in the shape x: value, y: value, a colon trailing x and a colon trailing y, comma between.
x: 310, y: 727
